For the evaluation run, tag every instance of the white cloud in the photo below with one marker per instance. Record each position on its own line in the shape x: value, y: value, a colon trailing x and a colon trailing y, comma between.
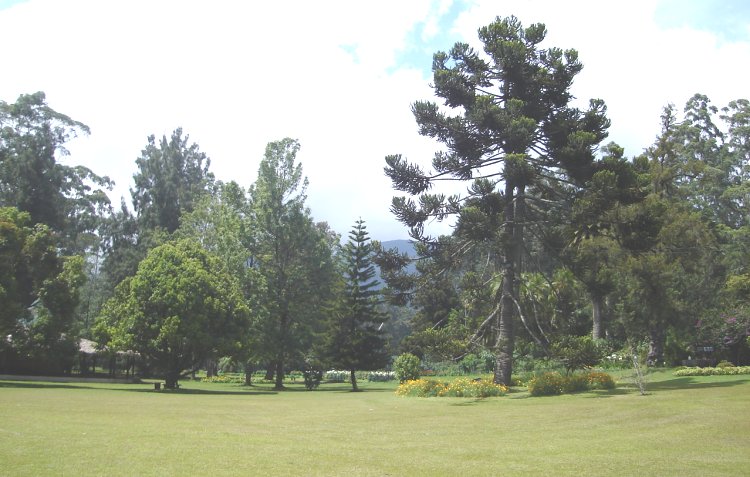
x: 236, y: 75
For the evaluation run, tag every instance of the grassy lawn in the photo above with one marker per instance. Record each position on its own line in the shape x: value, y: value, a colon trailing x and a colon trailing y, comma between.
x: 686, y: 426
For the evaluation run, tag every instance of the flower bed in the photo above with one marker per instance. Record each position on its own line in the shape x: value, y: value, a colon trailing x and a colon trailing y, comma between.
x: 462, y: 387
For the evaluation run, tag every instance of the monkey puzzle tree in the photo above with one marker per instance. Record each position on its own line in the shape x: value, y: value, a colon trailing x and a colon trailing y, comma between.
x: 508, y: 126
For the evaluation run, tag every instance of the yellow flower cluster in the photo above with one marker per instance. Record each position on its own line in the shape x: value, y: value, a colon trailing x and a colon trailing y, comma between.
x: 462, y: 387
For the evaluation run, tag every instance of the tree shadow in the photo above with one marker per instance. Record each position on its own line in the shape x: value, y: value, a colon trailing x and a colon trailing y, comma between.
x: 469, y: 402
x: 689, y: 382
x: 139, y: 389
x: 608, y: 393
x: 40, y: 385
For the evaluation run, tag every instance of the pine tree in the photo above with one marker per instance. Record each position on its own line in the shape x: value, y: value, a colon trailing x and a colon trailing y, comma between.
x: 355, y: 337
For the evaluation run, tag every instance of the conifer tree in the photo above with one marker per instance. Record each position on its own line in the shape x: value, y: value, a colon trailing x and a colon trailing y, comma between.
x: 355, y: 338
x: 508, y: 129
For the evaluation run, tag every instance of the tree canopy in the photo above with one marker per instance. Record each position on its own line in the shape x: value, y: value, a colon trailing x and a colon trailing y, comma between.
x: 180, y: 307
x: 512, y: 133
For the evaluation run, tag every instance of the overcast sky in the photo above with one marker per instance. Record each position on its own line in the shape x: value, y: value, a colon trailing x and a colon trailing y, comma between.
x: 338, y: 76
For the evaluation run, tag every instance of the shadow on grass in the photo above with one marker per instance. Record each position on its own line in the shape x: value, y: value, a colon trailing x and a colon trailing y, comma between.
x: 472, y: 402
x: 339, y: 390
x: 674, y: 384
x: 689, y: 382
x: 139, y: 389
x: 608, y: 393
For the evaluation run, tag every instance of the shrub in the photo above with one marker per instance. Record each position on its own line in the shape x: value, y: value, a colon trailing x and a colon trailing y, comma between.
x: 470, y: 363
x: 577, y: 352
x: 336, y: 376
x: 312, y: 378
x: 406, y: 367
x: 381, y: 376
x: 462, y: 387
x: 726, y: 371
x: 233, y: 378
x: 546, y: 384
x: 420, y: 388
x: 575, y: 383
x: 725, y: 364
x: 597, y: 380
x: 551, y: 384
x: 616, y: 361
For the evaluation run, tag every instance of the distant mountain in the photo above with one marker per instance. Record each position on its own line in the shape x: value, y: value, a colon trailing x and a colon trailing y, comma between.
x: 403, y: 246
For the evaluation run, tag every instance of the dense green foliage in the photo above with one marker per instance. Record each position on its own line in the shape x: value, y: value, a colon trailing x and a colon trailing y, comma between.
x: 39, y: 292
x: 32, y: 178
x: 293, y: 255
x: 180, y: 308
x: 512, y: 136
x: 407, y: 367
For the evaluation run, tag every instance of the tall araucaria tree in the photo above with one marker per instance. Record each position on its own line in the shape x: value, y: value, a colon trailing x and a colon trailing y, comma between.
x: 508, y: 126
x: 355, y: 339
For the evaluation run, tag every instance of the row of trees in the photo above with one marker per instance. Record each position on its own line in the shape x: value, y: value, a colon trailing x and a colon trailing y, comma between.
x: 197, y: 271
x: 558, y: 236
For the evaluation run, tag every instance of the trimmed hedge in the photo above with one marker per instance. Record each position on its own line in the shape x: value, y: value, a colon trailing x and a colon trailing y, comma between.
x: 723, y: 371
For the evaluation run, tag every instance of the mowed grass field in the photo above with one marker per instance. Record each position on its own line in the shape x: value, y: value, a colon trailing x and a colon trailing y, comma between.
x: 685, y: 426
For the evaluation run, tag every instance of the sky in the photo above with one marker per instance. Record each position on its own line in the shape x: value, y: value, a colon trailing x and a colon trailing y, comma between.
x: 340, y: 77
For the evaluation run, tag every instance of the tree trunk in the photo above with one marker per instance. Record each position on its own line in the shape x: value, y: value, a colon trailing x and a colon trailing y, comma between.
x: 354, y: 381
x: 270, y: 371
x: 656, y: 347
x: 212, y: 368
x: 248, y: 373
x: 170, y: 380
x: 597, y: 307
x: 279, y: 374
x: 505, y: 336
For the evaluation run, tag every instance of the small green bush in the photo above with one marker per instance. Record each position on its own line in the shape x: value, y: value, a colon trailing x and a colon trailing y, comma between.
x: 575, y: 383
x: 577, y: 352
x: 312, y: 378
x: 546, y: 384
x: 406, y: 367
x: 599, y: 380
x: 725, y: 364
x: 551, y: 384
